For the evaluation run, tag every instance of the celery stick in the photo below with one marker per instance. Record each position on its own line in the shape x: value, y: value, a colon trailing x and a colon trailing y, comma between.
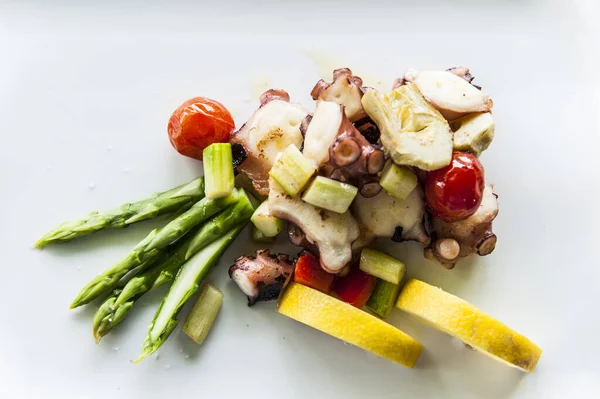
x: 218, y: 170
x: 382, y: 266
x: 383, y: 298
x: 330, y: 194
x: 268, y: 225
x: 203, y: 314
x: 399, y: 181
x: 258, y: 236
x: 292, y: 170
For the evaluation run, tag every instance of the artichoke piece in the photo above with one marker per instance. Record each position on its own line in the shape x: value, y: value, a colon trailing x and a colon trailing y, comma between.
x: 412, y: 131
x: 474, y: 132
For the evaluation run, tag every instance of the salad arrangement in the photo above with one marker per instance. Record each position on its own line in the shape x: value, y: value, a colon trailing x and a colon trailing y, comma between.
x: 362, y: 166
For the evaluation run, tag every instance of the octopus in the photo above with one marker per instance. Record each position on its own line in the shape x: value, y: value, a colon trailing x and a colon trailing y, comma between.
x: 347, y: 89
x: 331, y: 232
x: 389, y: 217
x: 261, y: 277
x: 340, y: 151
x: 453, y: 241
x: 451, y: 92
x: 272, y: 128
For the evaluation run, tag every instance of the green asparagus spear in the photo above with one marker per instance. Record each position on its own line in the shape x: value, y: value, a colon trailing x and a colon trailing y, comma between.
x: 185, y: 285
x: 108, y: 316
x: 151, y: 246
x: 178, y: 198
x: 116, y: 307
x: 235, y: 214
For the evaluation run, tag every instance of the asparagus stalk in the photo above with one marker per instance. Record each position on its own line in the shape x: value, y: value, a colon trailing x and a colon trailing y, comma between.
x: 108, y: 316
x: 183, y: 288
x: 178, y: 198
x: 234, y: 215
x: 115, y: 308
x: 151, y: 246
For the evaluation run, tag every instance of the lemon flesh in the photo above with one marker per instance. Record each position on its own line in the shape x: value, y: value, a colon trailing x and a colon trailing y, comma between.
x: 349, y: 324
x: 458, y: 318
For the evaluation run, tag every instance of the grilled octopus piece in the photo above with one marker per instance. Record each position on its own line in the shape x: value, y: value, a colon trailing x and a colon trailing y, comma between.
x: 346, y: 89
x: 262, y: 277
x: 340, y: 151
x: 460, y: 71
x: 453, y: 241
x: 298, y: 238
x: 274, y: 126
x: 451, y: 92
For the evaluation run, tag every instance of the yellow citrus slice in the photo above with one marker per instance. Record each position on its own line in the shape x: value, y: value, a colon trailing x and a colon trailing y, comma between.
x: 454, y: 316
x: 349, y: 324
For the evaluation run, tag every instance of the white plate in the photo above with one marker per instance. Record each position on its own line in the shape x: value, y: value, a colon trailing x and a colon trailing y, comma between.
x: 86, y: 92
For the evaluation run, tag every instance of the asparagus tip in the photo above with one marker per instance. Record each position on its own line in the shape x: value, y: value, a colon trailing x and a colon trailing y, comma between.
x: 76, y: 303
x: 141, y: 357
x: 97, y: 337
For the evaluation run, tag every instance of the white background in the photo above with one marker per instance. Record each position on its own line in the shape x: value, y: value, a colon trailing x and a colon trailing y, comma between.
x: 85, y: 95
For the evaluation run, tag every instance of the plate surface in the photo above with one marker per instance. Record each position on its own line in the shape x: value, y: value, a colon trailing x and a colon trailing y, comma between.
x: 85, y: 95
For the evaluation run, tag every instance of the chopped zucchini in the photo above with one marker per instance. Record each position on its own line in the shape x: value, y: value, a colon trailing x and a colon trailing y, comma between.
x: 330, y: 194
x: 292, y: 170
x: 268, y: 225
x: 218, y: 170
x: 203, y: 314
x: 383, y: 298
x: 398, y: 181
x: 258, y: 236
x: 382, y: 266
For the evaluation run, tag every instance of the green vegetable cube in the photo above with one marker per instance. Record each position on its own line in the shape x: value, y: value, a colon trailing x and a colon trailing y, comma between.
x: 292, y: 170
x: 330, y: 194
x: 399, y: 181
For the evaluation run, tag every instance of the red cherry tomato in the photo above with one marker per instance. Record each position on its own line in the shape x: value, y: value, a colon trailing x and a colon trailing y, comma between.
x: 198, y: 123
x: 454, y: 192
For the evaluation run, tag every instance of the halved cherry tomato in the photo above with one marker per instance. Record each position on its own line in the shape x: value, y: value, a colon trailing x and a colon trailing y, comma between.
x: 310, y: 273
x: 355, y: 288
x: 198, y: 123
x: 454, y: 192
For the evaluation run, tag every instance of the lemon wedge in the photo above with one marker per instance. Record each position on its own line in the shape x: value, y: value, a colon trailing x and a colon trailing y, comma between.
x: 454, y: 316
x: 349, y: 324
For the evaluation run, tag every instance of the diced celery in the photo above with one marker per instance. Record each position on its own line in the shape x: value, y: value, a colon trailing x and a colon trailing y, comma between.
x: 203, y: 314
x: 218, y: 170
x: 260, y: 237
x: 383, y: 298
x: 399, y: 181
x: 382, y: 266
x: 292, y: 170
x: 268, y: 225
x: 330, y: 194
